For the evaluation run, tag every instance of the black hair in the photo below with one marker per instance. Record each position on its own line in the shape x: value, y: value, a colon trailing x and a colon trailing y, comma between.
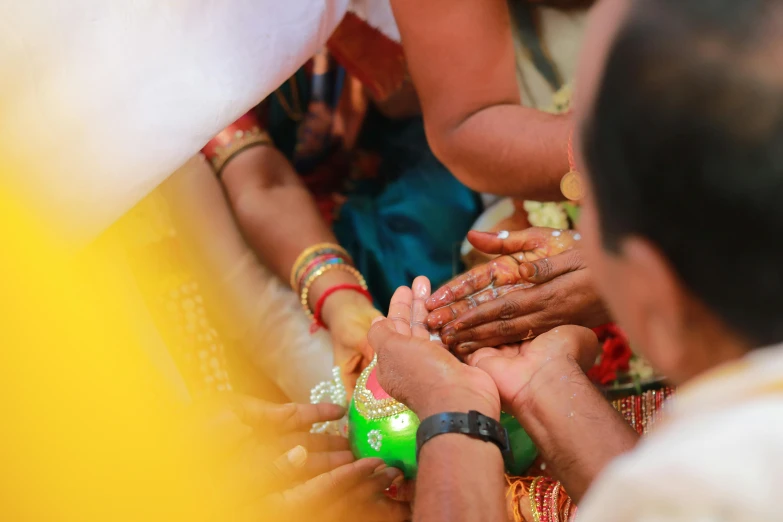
x: 684, y: 147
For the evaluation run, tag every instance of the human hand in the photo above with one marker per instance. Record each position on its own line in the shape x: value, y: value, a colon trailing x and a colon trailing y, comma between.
x: 518, y: 299
x: 419, y: 372
x: 349, y: 316
x: 243, y: 437
x: 354, y: 492
x: 261, y: 453
x: 514, y: 367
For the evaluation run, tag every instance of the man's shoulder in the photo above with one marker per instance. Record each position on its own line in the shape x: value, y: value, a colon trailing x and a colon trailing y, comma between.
x: 720, y: 463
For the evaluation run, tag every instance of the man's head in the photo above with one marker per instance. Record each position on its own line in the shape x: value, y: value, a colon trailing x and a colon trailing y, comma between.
x: 681, y: 136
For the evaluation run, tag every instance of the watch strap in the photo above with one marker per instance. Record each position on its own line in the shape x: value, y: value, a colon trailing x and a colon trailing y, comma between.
x: 473, y: 424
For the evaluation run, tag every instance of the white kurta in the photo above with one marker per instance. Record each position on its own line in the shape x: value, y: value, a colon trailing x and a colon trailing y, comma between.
x: 716, y: 458
x: 101, y: 100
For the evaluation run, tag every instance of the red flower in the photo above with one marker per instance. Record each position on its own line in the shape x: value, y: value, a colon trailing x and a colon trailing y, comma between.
x: 615, y: 355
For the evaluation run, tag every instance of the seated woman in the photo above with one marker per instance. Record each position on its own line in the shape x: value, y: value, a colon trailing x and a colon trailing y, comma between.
x: 385, y: 208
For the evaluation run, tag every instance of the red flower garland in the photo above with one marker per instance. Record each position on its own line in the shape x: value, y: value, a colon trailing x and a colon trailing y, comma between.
x: 615, y: 355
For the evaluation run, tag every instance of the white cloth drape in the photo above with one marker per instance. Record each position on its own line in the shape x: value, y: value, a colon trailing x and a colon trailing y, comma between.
x: 101, y: 100
x: 716, y: 458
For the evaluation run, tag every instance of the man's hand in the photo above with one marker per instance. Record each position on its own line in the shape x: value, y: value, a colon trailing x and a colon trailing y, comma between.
x: 514, y: 367
x: 517, y: 296
x: 419, y: 372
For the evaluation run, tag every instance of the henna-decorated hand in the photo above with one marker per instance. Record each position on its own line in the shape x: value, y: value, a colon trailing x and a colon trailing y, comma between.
x: 539, y: 282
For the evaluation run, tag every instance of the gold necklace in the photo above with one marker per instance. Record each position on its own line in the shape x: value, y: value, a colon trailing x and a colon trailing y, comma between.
x: 294, y: 113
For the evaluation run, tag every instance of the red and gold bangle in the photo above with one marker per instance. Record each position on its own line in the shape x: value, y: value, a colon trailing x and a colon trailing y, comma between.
x: 317, y: 263
x: 533, y: 495
x: 308, y: 254
x: 319, y: 306
x: 305, y: 294
x: 244, y: 133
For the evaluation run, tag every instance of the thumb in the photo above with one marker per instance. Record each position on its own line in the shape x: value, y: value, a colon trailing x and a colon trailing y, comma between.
x: 381, y: 334
x: 488, y: 361
x: 545, y: 269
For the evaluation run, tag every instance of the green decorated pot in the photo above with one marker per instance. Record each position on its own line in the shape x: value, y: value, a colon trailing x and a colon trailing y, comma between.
x: 381, y: 427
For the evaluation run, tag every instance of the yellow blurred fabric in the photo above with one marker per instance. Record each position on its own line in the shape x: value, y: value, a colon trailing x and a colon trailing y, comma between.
x: 89, y: 415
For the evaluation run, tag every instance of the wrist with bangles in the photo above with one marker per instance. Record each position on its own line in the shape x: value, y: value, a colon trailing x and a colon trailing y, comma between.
x: 546, y: 498
x: 312, y: 264
x: 241, y: 135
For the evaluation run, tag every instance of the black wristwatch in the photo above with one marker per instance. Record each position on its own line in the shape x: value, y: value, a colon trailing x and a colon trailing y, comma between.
x: 473, y: 424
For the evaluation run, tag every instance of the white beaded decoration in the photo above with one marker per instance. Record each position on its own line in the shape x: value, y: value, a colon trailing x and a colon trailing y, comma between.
x: 375, y: 439
x: 331, y: 392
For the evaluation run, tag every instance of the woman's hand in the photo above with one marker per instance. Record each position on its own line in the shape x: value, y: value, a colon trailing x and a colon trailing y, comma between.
x: 421, y: 373
x: 513, y: 367
x: 354, y: 492
x: 542, y: 284
x: 264, y: 459
x: 349, y: 315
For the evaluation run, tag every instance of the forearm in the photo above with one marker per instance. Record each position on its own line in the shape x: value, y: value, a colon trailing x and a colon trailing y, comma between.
x: 574, y: 427
x: 508, y: 150
x: 465, y: 489
x: 275, y: 211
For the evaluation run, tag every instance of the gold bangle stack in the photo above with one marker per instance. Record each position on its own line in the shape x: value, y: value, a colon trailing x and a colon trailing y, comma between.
x: 312, y: 252
x: 316, y: 261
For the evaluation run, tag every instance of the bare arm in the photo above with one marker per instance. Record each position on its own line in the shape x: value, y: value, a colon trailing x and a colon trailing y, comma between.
x: 461, y: 58
x: 574, y: 427
x: 280, y: 219
x: 467, y: 488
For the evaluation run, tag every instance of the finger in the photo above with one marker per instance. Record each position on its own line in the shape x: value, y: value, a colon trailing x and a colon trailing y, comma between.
x: 505, y: 242
x: 446, y: 314
x: 500, y: 271
x: 421, y: 291
x: 288, y: 465
x: 297, y: 417
x: 316, y: 442
x: 548, y: 268
x: 323, y: 462
x: 507, y: 302
x: 400, y: 310
x: 335, y: 482
x: 383, y: 479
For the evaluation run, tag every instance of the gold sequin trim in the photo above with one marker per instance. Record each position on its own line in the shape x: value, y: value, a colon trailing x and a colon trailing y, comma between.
x: 367, y: 405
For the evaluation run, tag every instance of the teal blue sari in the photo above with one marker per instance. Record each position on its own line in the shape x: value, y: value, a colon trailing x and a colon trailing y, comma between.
x: 408, y: 217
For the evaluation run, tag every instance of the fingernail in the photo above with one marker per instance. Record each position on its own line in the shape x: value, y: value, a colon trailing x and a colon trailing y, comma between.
x: 391, y: 492
x: 528, y: 270
x: 380, y: 468
x: 297, y: 456
x: 394, y: 474
x: 377, y: 319
x: 503, y: 234
x: 466, y: 348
